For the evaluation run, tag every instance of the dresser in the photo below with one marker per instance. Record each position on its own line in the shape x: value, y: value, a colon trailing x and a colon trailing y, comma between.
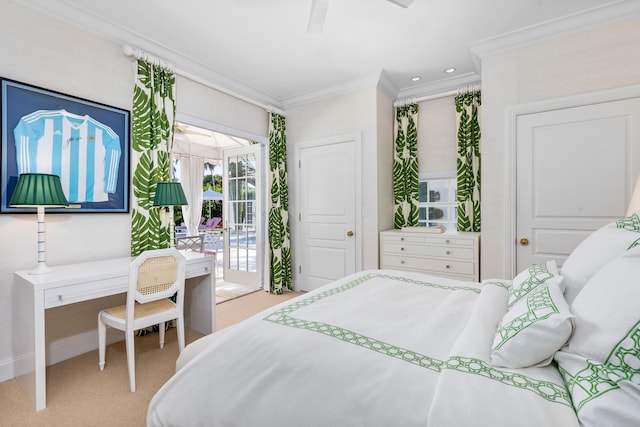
x: 454, y: 255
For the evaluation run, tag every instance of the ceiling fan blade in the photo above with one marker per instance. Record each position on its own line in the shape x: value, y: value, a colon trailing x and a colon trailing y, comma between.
x: 318, y: 15
x: 402, y: 3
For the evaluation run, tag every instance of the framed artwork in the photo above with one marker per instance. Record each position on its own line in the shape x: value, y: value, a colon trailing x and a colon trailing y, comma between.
x: 84, y: 142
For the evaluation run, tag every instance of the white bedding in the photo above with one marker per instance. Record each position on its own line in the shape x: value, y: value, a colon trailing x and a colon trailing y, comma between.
x: 377, y: 348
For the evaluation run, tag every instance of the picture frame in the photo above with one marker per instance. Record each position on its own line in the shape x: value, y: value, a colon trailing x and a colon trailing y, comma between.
x: 86, y: 143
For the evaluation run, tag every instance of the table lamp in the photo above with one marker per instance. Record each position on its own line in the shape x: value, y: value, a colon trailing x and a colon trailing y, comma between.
x: 634, y: 204
x: 39, y: 190
x: 170, y: 194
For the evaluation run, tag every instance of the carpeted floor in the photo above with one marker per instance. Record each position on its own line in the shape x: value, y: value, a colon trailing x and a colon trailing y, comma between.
x: 79, y: 394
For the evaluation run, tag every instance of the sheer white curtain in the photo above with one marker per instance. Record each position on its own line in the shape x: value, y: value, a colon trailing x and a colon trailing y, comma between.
x: 191, y: 174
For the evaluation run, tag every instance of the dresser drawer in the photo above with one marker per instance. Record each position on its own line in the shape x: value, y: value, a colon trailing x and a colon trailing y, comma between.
x: 429, y: 264
x: 430, y: 251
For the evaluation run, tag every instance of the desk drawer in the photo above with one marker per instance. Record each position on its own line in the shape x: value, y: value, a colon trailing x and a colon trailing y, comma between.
x: 201, y: 268
x: 70, y: 294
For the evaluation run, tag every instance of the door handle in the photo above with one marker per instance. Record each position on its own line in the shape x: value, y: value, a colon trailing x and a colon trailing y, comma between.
x: 524, y: 241
x: 349, y: 233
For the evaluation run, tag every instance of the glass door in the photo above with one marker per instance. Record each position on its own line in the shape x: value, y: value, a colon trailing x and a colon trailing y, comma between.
x: 243, y: 207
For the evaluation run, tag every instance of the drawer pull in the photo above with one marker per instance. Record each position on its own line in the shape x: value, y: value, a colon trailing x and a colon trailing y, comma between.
x: 447, y: 241
x: 402, y: 249
x: 402, y: 262
x: 59, y: 297
x: 447, y: 266
x: 206, y: 269
x: 402, y: 239
x: 448, y: 252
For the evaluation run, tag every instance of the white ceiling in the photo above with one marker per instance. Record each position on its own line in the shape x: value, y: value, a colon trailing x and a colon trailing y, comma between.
x: 261, y: 49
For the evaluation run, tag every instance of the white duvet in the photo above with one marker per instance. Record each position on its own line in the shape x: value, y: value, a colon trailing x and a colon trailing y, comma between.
x: 377, y: 348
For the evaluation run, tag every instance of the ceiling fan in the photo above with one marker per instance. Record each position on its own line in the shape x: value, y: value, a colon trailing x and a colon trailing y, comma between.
x: 319, y: 10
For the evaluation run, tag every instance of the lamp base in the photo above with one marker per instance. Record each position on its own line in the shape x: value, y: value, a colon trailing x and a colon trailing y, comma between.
x: 42, y: 268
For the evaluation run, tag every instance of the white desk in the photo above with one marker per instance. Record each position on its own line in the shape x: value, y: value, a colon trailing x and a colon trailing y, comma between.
x: 73, y: 283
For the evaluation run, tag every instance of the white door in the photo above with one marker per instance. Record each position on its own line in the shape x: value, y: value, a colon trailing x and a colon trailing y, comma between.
x: 327, y: 191
x: 242, y: 212
x: 575, y: 172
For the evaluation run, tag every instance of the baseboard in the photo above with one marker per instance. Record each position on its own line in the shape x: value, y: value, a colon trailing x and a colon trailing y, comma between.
x: 58, y: 351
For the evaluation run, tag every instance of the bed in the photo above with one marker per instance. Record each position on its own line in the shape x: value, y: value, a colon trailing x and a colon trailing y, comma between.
x: 391, y: 348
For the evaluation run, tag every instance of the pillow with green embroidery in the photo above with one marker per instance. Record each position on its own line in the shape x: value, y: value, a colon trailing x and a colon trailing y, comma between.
x: 533, y: 330
x: 600, y: 396
x: 533, y: 279
x: 601, y: 362
x: 598, y: 249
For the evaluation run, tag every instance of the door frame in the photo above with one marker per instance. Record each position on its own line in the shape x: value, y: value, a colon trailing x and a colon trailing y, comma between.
x: 580, y: 100
x: 260, y: 201
x: 356, y: 138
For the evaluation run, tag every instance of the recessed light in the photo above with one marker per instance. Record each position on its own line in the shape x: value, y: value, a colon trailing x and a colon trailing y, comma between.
x: 450, y: 70
x: 415, y: 78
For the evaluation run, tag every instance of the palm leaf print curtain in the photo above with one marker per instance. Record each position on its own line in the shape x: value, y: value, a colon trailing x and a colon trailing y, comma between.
x: 468, y: 162
x: 278, y: 227
x: 405, y: 167
x: 153, y: 115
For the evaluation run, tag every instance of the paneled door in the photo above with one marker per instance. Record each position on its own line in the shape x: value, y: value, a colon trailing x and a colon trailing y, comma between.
x: 576, y: 168
x: 243, y: 207
x: 327, y: 212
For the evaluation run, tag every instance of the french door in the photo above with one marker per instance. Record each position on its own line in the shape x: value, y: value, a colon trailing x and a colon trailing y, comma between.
x: 243, y: 215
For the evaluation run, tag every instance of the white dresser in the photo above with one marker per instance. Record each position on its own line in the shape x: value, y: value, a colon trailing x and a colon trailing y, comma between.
x: 451, y: 254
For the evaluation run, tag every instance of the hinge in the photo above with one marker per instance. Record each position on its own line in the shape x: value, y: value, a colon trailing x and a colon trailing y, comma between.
x: 299, y: 216
x: 299, y: 164
x: 299, y: 269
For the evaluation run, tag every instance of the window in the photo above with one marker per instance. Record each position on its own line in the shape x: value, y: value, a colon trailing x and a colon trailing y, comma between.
x: 437, y: 202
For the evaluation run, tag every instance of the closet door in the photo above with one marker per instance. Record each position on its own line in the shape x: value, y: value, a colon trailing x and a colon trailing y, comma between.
x: 576, y: 168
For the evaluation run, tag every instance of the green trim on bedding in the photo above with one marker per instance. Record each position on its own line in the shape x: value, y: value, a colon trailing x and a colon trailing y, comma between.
x: 552, y: 392
x: 596, y: 378
x: 545, y: 389
x: 540, y: 306
x: 630, y: 223
x: 538, y: 275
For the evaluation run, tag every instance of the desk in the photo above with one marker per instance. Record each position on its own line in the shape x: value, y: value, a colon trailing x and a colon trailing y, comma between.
x: 72, y: 283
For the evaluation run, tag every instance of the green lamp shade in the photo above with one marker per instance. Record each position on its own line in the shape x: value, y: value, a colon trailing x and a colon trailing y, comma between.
x: 169, y: 194
x: 38, y: 189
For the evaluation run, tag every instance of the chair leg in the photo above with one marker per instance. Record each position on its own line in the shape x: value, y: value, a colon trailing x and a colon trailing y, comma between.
x: 180, y: 328
x: 131, y: 360
x: 102, y: 342
x: 161, y: 326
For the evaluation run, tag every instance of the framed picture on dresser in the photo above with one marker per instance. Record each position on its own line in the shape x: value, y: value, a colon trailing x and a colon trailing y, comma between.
x: 84, y: 142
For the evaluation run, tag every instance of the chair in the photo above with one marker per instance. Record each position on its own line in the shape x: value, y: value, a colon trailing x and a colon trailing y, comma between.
x: 191, y: 243
x: 154, y: 276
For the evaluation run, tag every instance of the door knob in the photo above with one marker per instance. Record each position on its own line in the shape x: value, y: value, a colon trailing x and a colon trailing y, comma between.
x: 349, y: 233
x: 524, y: 241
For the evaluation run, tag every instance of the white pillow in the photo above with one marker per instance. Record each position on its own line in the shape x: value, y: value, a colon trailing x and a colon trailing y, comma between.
x: 600, y: 397
x: 608, y: 308
x: 532, y: 279
x: 601, y: 363
x: 533, y: 330
x: 596, y: 250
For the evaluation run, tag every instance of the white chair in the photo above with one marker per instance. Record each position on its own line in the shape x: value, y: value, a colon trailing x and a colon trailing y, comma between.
x: 154, y: 277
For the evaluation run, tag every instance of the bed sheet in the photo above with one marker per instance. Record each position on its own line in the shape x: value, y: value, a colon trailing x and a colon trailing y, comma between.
x: 366, y: 350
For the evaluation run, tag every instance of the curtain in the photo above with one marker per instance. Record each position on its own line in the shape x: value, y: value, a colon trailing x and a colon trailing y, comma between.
x: 191, y: 173
x: 468, y: 162
x: 278, y: 223
x: 405, y: 167
x: 152, y: 140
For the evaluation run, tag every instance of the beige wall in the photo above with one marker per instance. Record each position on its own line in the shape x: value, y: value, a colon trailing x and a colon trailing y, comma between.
x: 596, y: 59
x: 37, y: 50
x: 354, y: 112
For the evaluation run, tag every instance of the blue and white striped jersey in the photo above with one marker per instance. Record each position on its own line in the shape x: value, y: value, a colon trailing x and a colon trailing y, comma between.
x: 82, y: 151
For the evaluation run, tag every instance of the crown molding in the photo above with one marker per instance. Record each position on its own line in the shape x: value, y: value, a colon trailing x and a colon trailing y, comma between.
x: 595, y: 17
x: 62, y: 11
